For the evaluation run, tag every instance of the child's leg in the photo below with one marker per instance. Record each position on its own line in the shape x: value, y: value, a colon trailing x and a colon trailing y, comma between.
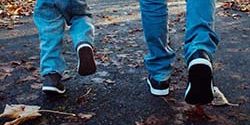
x: 82, y: 33
x: 82, y: 30
x: 50, y: 24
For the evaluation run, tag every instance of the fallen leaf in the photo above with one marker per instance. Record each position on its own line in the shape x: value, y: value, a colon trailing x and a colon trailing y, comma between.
x: 240, y: 5
x: 15, y: 63
x: 34, y: 58
x: 83, y: 99
x: 139, y: 123
x: 36, y: 86
x: 109, y: 81
x: 80, y: 116
x: 153, y: 120
x: 66, y: 77
x: 5, y: 71
x: 197, y: 114
x: 20, y: 113
x: 243, y: 86
x: 28, y: 78
x: 12, y: 10
x: 242, y: 99
x: 29, y: 66
x: 86, y: 116
x: 220, y: 99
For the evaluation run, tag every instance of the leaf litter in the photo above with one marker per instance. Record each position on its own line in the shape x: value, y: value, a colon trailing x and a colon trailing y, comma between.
x: 240, y: 5
x: 12, y: 10
x: 193, y: 113
x: 22, y: 113
x: 220, y: 99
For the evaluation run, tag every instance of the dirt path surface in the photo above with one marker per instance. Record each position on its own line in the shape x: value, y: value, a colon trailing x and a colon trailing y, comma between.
x: 117, y: 93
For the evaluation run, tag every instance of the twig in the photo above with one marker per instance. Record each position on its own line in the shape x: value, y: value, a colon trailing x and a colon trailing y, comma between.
x: 231, y: 104
x: 57, y: 112
x: 89, y: 90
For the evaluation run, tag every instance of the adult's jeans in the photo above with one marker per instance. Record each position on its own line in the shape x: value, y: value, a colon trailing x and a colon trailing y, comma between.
x: 200, y: 34
x: 50, y: 17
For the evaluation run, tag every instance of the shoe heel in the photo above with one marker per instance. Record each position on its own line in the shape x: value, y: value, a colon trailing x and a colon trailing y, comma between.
x: 86, y: 62
x: 157, y: 92
x: 200, y: 88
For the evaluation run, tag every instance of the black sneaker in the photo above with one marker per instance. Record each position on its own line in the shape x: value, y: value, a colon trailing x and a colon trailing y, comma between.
x: 86, y: 61
x: 200, y: 79
x: 52, y: 84
x: 158, y: 88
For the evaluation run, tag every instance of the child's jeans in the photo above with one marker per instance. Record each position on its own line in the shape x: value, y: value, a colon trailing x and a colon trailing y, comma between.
x: 50, y: 17
x: 200, y: 34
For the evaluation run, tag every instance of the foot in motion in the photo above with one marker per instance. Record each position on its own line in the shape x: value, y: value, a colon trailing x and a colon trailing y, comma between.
x: 158, y: 88
x: 52, y: 84
x: 200, y: 79
x: 86, y: 62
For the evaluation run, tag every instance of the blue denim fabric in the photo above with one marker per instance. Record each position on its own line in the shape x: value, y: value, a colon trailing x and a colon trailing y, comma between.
x: 50, y: 17
x: 200, y: 34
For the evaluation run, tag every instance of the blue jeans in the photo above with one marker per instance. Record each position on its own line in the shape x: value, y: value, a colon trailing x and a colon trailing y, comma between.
x: 200, y: 34
x: 50, y: 17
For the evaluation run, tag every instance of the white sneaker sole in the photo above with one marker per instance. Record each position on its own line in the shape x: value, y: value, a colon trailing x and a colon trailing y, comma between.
x: 157, y: 92
x: 200, y: 61
x: 52, y: 89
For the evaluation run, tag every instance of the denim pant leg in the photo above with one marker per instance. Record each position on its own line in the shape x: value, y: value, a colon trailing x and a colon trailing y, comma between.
x: 50, y: 24
x: 77, y: 15
x: 200, y: 34
x: 81, y: 30
x: 154, y: 19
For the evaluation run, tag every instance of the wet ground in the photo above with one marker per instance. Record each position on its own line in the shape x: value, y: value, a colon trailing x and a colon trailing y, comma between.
x: 117, y: 93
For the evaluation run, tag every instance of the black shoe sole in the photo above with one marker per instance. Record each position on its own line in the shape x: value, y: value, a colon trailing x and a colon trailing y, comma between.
x: 52, y: 93
x: 201, y: 91
x: 86, y: 64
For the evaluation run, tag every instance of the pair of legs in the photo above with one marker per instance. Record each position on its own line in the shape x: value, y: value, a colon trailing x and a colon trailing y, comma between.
x: 50, y: 17
x: 200, y: 35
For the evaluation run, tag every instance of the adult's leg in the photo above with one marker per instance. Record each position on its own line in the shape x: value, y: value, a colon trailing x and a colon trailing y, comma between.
x: 160, y: 55
x: 200, y: 45
x: 200, y: 34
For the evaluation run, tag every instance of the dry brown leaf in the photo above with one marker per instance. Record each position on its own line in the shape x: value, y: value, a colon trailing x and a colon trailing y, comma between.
x: 154, y: 120
x: 86, y: 116
x: 220, y: 99
x: 12, y: 10
x: 241, y: 5
x: 20, y: 113
x: 28, y: 78
x: 109, y: 81
x: 139, y: 123
x: 5, y: 71
x: 36, y: 86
